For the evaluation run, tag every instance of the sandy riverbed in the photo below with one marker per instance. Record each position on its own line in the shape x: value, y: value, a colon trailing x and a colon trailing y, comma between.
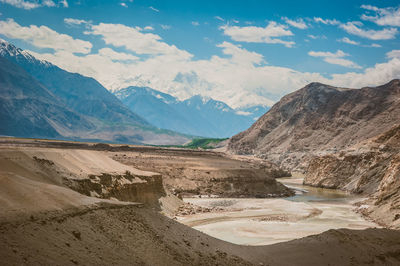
x: 268, y: 221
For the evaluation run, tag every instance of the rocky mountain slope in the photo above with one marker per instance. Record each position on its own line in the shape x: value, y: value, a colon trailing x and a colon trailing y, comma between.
x: 197, y: 115
x: 103, y: 116
x: 319, y: 119
x: 371, y: 167
x: 27, y: 108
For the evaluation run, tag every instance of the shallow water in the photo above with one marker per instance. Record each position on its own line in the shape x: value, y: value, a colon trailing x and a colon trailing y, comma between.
x: 267, y: 221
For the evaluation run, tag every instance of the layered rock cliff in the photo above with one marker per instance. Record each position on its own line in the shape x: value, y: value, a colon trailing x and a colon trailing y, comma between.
x: 372, y: 168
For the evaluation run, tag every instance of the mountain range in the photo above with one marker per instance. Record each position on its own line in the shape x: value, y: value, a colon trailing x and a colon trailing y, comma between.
x: 40, y: 99
x: 198, y: 116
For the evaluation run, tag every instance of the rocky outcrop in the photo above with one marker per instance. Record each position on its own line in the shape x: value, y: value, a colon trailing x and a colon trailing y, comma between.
x: 371, y: 168
x: 124, y: 187
x: 319, y: 119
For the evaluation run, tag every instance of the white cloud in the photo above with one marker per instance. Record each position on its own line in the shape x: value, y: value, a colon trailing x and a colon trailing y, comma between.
x: 375, y: 45
x: 299, y: 23
x: 335, y: 58
x: 165, y: 27
x: 240, y: 77
x: 383, y: 16
x: 135, y: 40
x: 373, y: 76
x: 240, y: 55
x: 32, y: 4
x: 354, y: 28
x: 29, y: 4
x: 148, y: 28
x: 64, y: 3
x: 43, y: 37
x: 269, y: 34
x: 314, y: 37
x: 393, y: 54
x: 219, y: 18
x: 73, y: 21
x: 347, y: 40
x: 123, y: 4
x: 113, y: 55
x: 326, y: 21
x: 195, y: 23
x: 48, y: 3
x: 154, y: 9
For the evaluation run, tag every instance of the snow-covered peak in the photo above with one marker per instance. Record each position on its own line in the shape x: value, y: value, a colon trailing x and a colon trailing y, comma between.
x: 9, y: 50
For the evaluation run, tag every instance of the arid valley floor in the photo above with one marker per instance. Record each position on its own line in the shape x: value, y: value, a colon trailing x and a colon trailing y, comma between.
x: 69, y: 203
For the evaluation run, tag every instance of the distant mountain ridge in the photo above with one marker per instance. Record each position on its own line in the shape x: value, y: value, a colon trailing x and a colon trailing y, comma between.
x: 200, y: 116
x: 102, y: 115
x: 27, y: 108
x: 318, y: 119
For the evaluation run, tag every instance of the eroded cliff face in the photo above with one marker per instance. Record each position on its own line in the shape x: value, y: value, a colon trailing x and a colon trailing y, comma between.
x: 371, y: 168
x: 317, y: 120
x: 194, y: 173
x: 91, y: 173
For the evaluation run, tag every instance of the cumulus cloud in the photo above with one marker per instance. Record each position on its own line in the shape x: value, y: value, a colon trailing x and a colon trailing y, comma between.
x: 134, y: 39
x: 299, y: 23
x: 74, y: 22
x: 117, y: 56
x: 335, y: 58
x: 347, y: 40
x: 383, y: 16
x: 239, y: 77
x: 393, y: 54
x: 326, y: 21
x: 240, y: 55
x: 43, y: 37
x: 354, y: 28
x: 269, y: 34
x: 373, y: 76
x: 31, y: 4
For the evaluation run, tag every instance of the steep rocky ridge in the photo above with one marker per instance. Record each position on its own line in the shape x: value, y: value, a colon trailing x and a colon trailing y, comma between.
x: 319, y: 119
x: 372, y: 168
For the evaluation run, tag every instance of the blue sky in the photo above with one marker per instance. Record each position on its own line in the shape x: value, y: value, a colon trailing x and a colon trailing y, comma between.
x: 241, y: 52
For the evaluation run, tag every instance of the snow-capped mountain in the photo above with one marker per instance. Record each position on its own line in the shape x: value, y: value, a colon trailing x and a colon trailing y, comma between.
x: 198, y: 115
x: 95, y: 112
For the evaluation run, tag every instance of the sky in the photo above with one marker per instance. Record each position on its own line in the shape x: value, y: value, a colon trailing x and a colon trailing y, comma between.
x: 244, y: 53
